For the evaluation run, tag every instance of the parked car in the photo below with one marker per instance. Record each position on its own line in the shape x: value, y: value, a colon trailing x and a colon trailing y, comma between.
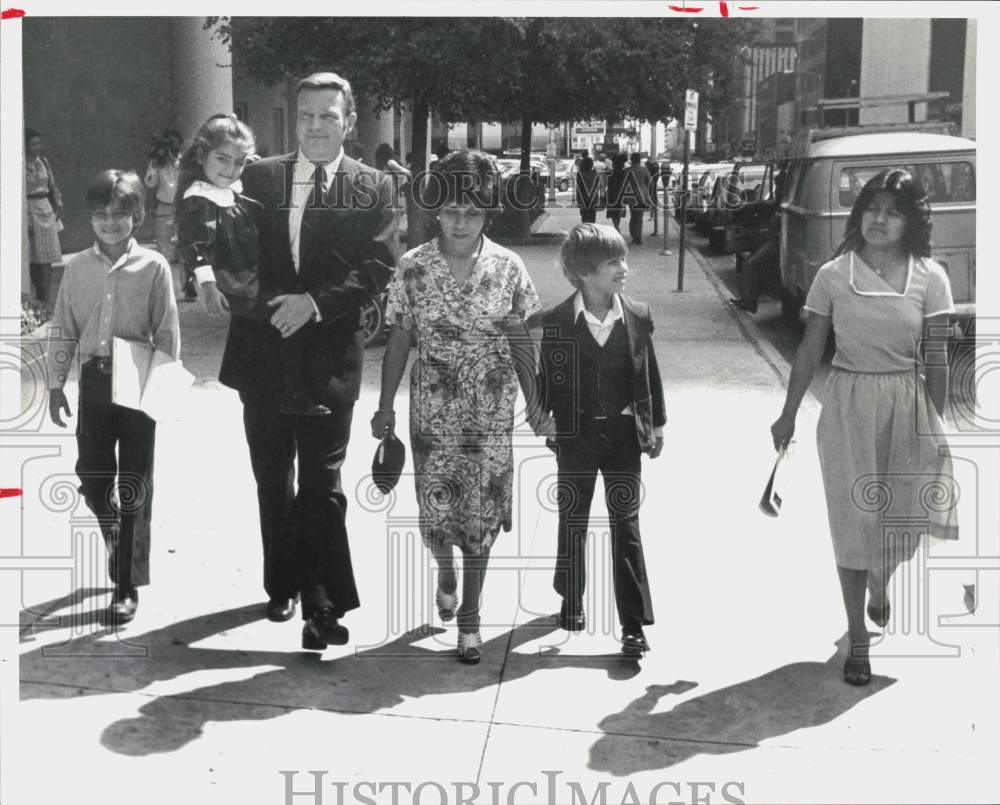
x: 749, y: 225
x: 697, y: 209
x: 824, y: 176
x: 731, y: 191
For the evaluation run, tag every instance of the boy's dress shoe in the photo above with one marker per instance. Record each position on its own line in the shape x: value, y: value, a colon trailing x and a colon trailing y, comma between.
x: 322, y: 629
x: 124, y: 603
x: 280, y: 609
x: 634, y: 644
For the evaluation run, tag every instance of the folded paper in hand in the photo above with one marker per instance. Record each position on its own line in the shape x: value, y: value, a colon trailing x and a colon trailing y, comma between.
x: 770, y: 501
x: 148, y: 380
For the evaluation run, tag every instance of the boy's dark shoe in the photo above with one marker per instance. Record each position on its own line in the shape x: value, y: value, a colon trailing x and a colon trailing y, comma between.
x: 301, y: 404
x: 321, y: 629
x: 123, y: 605
x: 280, y: 609
x: 634, y: 643
x: 744, y: 304
x: 571, y: 617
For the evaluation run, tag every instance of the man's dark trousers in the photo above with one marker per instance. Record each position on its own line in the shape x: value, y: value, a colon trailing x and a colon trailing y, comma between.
x: 320, y: 555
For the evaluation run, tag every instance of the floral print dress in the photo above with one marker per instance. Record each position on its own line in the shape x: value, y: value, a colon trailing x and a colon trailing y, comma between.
x: 462, y: 389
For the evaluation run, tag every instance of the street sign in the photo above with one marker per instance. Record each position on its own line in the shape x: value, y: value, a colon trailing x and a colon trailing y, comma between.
x: 690, y: 110
x: 551, y: 149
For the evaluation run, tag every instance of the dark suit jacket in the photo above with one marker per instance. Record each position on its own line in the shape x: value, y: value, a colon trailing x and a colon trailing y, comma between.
x: 355, y: 223
x: 559, y: 382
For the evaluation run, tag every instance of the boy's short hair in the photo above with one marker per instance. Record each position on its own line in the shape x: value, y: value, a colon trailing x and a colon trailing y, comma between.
x: 112, y: 187
x: 586, y: 247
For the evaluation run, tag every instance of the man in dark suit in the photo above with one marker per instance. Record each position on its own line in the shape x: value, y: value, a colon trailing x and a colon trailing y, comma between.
x: 602, y: 407
x: 326, y: 219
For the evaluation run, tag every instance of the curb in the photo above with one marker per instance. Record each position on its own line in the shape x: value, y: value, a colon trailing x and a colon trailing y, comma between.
x: 781, y: 368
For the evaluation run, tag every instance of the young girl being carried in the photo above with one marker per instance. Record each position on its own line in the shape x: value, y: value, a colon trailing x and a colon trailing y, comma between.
x: 217, y: 241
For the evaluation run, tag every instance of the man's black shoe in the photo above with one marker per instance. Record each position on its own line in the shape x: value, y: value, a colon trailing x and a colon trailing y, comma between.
x: 280, y: 609
x: 744, y: 304
x: 571, y: 618
x: 322, y: 629
x: 123, y: 606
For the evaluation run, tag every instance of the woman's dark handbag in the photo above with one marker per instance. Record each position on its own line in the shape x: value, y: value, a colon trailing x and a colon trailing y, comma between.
x: 387, y: 466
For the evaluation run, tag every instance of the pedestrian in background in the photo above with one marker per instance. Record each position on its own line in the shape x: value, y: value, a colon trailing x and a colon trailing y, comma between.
x: 161, y: 177
x: 880, y: 434
x: 44, y: 211
x: 589, y: 190
x: 638, y: 184
x: 615, y: 193
x: 119, y: 289
x: 464, y: 300
x: 605, y: 408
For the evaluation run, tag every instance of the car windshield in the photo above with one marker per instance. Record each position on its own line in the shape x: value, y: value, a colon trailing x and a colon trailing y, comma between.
x: 944, y: 181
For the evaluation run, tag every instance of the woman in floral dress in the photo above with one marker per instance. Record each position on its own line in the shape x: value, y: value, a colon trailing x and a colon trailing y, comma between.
x: 463, y: 299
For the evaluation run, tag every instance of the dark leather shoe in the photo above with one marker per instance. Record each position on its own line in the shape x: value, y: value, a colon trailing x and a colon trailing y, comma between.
x: 123, y: 605
x: 634, y: 644
x: 280, y: 609
x: 322, y: 629
x: 571, y: 618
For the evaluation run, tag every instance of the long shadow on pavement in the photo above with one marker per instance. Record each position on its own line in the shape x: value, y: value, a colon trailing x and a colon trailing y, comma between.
x: 731, y: 719
x: 367, y: 681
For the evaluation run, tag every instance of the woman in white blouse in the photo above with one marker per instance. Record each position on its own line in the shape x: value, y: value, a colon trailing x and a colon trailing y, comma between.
x: 880, y: 430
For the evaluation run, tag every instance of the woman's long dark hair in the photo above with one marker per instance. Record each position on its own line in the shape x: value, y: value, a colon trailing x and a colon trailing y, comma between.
x: 911, y: 200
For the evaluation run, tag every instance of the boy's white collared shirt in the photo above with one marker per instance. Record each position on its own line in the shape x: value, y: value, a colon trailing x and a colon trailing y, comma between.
x: 601, y: 330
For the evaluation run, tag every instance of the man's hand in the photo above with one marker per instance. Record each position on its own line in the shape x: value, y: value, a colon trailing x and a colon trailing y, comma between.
x: 657, y: 447
x: 544, y: 426
x: 57, y: 403
x: 213, y: 300
x: 294, y: 310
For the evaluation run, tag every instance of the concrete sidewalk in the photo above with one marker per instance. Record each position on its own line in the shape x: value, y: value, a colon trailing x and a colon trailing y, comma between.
x: 741, y: 698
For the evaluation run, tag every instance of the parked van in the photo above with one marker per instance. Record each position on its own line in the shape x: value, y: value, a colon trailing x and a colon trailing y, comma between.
x: 824, y: 175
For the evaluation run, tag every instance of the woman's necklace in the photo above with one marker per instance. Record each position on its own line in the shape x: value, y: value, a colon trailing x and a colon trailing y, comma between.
x: 461, y: 267
x: 883, y: 264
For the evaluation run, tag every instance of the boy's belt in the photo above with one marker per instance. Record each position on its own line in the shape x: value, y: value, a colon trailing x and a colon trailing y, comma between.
x: 38, y: 195
x: 100, y: 365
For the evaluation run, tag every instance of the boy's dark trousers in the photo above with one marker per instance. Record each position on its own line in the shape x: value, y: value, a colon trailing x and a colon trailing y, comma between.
x: 611, y: 446
x: 117, y: 489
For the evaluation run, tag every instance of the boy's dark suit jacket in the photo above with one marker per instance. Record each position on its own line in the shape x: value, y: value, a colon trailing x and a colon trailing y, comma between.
x: 356, y: 224
x: 559, y: 383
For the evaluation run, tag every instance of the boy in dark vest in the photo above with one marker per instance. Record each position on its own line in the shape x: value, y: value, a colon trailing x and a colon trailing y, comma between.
x: 603, y: 407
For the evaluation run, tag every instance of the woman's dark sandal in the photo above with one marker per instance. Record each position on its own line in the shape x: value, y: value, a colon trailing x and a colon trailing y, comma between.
x: 880, y: 615
x: 857, y: 671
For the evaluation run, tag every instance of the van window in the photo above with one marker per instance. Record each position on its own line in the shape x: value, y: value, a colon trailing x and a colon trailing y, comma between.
x: 944, y: 181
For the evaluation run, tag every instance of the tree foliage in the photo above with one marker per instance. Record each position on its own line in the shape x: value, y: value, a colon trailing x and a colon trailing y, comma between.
x: 533, y: 69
